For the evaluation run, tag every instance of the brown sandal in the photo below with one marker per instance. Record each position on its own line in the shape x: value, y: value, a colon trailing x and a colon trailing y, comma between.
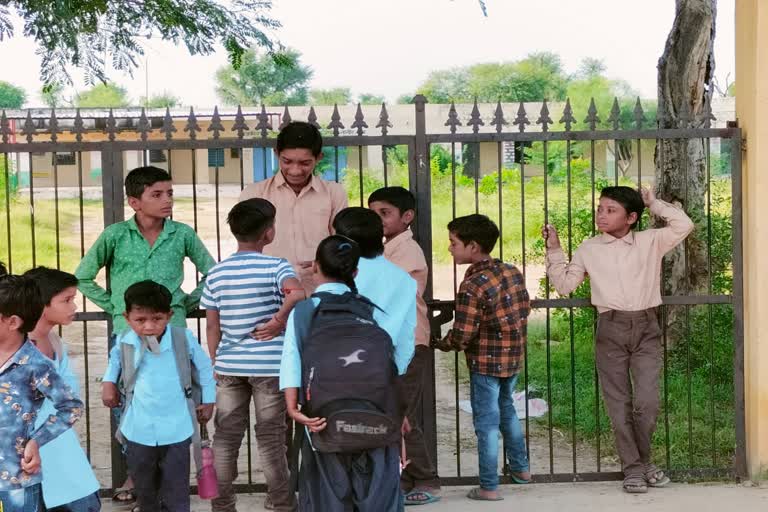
x: 635, y: 484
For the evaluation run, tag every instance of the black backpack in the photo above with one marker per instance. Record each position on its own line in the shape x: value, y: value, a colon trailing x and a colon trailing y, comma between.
x: 348, y: 373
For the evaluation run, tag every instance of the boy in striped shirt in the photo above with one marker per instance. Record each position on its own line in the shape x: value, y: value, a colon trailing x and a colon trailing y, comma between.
x: 247, y: 299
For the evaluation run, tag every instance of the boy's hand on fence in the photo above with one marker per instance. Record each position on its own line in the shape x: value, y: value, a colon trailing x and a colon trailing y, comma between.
x: 204, y: 413
x: 313, y: 424
x: 30, y: 460
x: 648, y: 196
x: 110, y: 395
x: 549, y: 233
x: 268, y: 330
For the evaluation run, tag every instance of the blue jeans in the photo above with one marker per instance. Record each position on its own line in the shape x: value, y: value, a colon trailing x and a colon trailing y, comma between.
x: 27, y: 499
x: 90, y: 503
x: 493, y: 410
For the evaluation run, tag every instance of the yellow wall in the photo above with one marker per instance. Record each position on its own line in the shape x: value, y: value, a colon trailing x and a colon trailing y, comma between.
x: 752, y: 114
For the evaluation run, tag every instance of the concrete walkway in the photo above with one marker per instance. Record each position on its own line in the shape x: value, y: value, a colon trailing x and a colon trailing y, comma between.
x: 580, y: 497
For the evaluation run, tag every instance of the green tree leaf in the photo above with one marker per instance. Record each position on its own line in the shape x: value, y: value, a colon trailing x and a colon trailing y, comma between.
x: 11, y: 96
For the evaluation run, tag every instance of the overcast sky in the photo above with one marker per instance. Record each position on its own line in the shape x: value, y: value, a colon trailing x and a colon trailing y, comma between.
x: 388, y: 47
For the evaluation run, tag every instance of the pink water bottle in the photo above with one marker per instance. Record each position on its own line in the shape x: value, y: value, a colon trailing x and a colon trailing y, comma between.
x: 207, y: 482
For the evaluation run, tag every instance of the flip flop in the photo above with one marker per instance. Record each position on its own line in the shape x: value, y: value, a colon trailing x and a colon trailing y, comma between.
x: 474, y: 494
x: 410, y: 498
x: 519, y: 480
x: 635, y: 484
x: 655, y: 477
x: 128, y: 496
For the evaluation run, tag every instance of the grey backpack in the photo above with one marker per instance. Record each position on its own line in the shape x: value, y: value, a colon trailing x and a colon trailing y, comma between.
x: 188, y: 376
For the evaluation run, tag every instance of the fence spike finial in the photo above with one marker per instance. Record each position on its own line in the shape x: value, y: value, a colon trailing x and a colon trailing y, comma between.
x: 639, y: 114
x: 384, y: 122
x: 53, y: 126
x: 615, y: 117
x: 111, y: 128
x: 312, y: 118
x: 144, y: 126
x: 168, y: 128
x: 239, y: 125
x: 359, y: 123
x: 592, y: 117
x: 544, y: 119
x: 335, y: 123
x: 78, y: 128
x: 216, y: 127
x: 498, y: 118
x: 567, y: 118
x: 286, y: 118
x: 453, y: 118
x: 264, y: 125
x: 5, y: 128
x: 522, y: 118
x: 475, y: 121
x: 192, y: 127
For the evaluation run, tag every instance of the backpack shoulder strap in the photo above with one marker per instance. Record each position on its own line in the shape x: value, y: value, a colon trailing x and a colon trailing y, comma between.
x: 303, y: 314
x: 129, y: 371
x: 184, y: 367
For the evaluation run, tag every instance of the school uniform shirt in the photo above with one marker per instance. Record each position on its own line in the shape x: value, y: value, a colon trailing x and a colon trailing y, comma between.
x: 26, y: 380
x: 624, y: 273
x: 130, y: 259
x: 68, y: 474
x: 406, y: 253
x: 302, y: 220
x: 290, y: 365
x: 246, y: 290
x: 159, y: 413
x: 490, y: 326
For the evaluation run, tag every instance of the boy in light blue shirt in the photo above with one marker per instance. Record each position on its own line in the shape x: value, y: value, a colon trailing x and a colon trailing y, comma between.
x: 69, y: 484
x: 157, y: 424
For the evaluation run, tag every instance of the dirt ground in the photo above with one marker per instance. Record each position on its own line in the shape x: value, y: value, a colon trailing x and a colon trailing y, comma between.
x: 580, y: 497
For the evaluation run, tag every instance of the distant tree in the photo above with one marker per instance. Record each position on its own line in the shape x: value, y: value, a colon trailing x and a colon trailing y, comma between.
x: 11, y: 96
x: 405, y: 99
x: 538, y: 76
x: 162, y: 100
x: 88, y: 34
x: 279, y: 79
x: 53, y: 96
x: 591, y: 67
x: 371, y: 99
x: 338, y: 95
x: 103, y: 96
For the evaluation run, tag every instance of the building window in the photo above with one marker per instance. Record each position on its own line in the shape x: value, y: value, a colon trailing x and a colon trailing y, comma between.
x: 234, y: 153
x: 157, y: 156
x: 216, y: 157
x: 64, y: 158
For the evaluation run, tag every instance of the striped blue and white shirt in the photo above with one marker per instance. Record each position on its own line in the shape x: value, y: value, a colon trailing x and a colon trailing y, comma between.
x: 246, y: 290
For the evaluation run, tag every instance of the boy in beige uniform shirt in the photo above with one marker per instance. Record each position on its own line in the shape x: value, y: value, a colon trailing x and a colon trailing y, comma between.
x: 397, y: 208
x: 624, y: 268
x: 306, y: 204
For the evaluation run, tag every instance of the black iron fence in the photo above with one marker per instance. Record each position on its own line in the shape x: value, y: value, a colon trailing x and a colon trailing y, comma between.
x: 61, y: 182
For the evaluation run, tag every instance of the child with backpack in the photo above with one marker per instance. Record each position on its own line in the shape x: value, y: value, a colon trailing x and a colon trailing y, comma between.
x: 69, y: 484
x: 247, y: 292
x: 160, y: 368
x: 339, y: 365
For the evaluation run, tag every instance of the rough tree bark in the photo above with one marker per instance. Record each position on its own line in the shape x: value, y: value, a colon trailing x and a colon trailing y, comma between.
x: 685, y: 83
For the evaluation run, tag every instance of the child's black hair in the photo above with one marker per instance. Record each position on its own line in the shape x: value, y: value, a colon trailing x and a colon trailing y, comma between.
x: 148, y: 295
x: 142, y: 177
x: 250, y: 219
x: 628, y: 197
x: 337, y: 256
x: 3, y: 270
x: 21, y: 296
x: 364, y: 227
x: 51, y: 281
x: 300, y: 135
x: 399, y: 197
x: 475, y: 228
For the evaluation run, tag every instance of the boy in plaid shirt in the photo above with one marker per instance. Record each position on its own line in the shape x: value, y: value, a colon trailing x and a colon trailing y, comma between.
x: 492, y: 307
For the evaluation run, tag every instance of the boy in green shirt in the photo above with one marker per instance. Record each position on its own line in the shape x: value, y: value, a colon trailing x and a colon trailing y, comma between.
x: 147, y: 246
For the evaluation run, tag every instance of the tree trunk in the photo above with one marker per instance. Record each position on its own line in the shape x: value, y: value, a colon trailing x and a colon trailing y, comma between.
x: 686, y: 70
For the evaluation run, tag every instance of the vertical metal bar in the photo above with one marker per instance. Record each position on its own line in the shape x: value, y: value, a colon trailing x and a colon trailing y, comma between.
x: 570, y: 310
x: 665, y: 315
x: 616, y: 161
x: 501, y: 205
x: 738, y: 305
x: 455, y: 286
x: 688, y: 338
x: 32, y: 208
x: 6, y: 170
x: 384, y: 160
x: 360, y: 168
x: 218, y: 214
x: 594, y: 313
x: 264, y: 160
x: 242, y: 168
x: 56, y: 212
x: 170, y: 163
x: 525, y: 274
x: 85, y: 307
x: 548, y: 325
x: 639, y: 177
x: 336, y: 162
x: 709, y: 307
